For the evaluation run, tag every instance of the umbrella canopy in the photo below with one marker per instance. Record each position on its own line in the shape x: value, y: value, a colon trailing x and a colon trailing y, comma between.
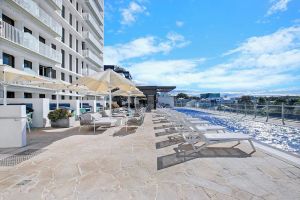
x: 9, y: 76
x: 52, y: 84
x: 105, y: 81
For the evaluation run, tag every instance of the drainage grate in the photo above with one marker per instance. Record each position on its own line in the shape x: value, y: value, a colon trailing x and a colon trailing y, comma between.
x: 20, y: 157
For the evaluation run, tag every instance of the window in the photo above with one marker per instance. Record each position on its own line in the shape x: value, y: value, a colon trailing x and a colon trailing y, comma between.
x: 53, y: 97
x: 70, y: 41
x: 53, y: 73
x: 70, y: 19
x: 83, y: 46
x: 10, y: 94
x: 26, y: 30
x: 77, y: 25
x: 53, y: 46
x: 63, y: 35
x: 42, y: 40
x: 62, y: 97
x: 27, y: 95
x: 45, y: 71
x: 63, y: 12
x: 62, y: 58
x: 8, y: 60
x: 70, y: 62
x: 42, y: 96
x: 62, y: 76
x: 77, y: 6
x: 27, y: 64
x: 76, y: 45
x: 70, y: 97
x: 77, y: 70
x: 70, y: 79
x: 8, y: 20
x: 71, y: 1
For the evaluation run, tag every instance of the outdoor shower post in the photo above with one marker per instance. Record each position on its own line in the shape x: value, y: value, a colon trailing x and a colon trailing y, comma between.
x: 282, y: 113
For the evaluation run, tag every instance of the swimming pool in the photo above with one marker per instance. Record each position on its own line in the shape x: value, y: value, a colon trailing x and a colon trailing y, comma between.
x: 281, y: 137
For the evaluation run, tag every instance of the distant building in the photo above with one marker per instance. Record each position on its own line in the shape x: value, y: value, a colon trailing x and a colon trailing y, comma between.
x: 119, y: 70
x: 210, y: 96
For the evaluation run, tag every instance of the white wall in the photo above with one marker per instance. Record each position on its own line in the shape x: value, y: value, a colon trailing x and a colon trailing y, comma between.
x: 40, y: 113
x: 164, y: 98
x: 13, y: 126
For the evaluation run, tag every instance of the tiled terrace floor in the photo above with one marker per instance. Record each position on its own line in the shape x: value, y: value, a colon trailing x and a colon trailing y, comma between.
x: 142, y: 165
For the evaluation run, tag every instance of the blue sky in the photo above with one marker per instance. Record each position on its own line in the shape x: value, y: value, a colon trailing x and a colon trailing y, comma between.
x: 249, y: 46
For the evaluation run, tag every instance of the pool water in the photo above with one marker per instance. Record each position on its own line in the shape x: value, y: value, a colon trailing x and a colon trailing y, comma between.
x: 281, y: 137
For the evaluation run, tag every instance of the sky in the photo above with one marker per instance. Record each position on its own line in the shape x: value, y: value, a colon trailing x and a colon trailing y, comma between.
x: 232, y: 46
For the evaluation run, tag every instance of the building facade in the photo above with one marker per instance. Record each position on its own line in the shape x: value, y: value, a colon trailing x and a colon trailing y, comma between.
x: 57, y: 39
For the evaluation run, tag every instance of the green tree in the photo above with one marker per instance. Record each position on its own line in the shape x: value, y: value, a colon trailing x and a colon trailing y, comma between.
x: 261, y: 100
x: 245, y: 99
x: 182, y: 95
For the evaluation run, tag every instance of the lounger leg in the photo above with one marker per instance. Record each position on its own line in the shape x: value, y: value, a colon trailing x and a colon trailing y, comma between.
x: 251, y: 143
x: 239, y: 142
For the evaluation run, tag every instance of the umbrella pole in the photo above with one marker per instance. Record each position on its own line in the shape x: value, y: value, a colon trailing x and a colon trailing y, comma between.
x: 110, y: 102
x: 4, y: 95
x: 81, y: 102
x: 57, y: 106
x: 4, y: 90
x: 135, y: 103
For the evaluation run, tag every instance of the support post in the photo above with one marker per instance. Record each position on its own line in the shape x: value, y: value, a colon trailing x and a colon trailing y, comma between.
x: 255, y: 110
x: 282, y: 113
x: 5, y: 95
x: 267, y: 111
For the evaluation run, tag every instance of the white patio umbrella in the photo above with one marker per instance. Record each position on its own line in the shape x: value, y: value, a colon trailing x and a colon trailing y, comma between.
x: 105, y: 81
x: 9, y: 76
x: 56, y: 85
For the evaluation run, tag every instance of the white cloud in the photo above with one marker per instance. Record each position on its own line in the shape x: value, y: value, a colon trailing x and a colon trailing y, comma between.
x: 278, y: 6
x: 130, y: 13
x: 257, y: 64
x: 143, y: 46
x: 179, y: 23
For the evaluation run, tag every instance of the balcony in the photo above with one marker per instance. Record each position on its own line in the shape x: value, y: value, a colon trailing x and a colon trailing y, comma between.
x: 91, y: 39
x: 28, y: 41
x: 97, y: 10
x: 33, y: 9
x: 93, y: 24
x: 57, y: 4
x: 97, y: 60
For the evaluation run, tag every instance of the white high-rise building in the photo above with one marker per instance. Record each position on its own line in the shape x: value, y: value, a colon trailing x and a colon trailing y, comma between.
x: 58, y: 39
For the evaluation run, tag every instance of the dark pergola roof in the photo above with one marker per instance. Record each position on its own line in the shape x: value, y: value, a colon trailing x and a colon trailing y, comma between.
x: 157, y: 88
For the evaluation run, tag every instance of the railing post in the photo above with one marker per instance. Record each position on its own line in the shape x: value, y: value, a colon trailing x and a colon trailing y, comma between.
x: 245, y: 107
x: 236, y: 109
x: 267, y: 111
x: 282, y: 113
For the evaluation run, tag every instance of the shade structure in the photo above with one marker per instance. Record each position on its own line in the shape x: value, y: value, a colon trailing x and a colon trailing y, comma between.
x: 105, y: 82
x: 56, y: 85
x: 9, y: 76
x: 133, y: 92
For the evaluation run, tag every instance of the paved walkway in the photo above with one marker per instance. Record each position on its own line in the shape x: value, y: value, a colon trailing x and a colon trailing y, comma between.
x: 143, y: 165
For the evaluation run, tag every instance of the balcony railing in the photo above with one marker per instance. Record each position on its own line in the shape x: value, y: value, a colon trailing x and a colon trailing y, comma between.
x: 96, y: 9
x: 28, y: 41
x: 97, y: 60
x: 97, y: 43
x: 32, y: 8
x: 95, y: 26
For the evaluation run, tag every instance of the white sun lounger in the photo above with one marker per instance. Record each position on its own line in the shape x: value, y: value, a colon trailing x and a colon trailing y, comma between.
x: 193, y: 138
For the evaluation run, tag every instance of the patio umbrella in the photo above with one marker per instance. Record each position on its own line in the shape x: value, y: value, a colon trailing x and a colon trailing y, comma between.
x: 9, y: 76
x: 56, y: 85
x: 105, y: 81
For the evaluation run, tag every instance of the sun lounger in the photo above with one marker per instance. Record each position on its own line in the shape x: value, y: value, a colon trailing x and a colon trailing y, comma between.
x: 96, y: 120
x: 193, y: 138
